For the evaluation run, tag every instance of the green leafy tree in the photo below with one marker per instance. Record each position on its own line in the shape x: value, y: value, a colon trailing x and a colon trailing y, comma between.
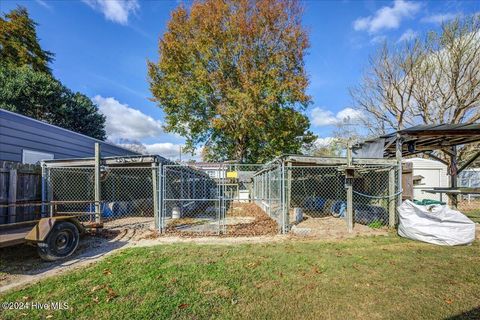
x: 27, y: 86
x: 19, y: 44
x: 231, y: 77
x: 38, y: 95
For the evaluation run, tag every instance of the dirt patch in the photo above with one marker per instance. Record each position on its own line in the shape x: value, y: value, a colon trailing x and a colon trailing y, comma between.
x: 135, y: 228
x: 331, y: 228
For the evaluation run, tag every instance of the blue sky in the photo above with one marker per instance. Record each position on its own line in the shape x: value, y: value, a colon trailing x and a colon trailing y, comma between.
x: 101, y: 48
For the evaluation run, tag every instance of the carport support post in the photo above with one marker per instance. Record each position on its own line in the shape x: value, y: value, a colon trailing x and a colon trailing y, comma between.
x: 391, y: 197
x: 453, y: 176
x: 98, y: 213
x: 155, y: 193
x: 398, y: 153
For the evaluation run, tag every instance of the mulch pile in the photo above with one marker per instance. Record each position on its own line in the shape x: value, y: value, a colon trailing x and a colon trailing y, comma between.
x: 263, y: 225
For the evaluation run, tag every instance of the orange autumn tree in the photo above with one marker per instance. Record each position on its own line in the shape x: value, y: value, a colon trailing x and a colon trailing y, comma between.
x: 231, y: 78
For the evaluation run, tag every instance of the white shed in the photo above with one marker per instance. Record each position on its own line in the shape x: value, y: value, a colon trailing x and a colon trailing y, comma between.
x: 428, y: 174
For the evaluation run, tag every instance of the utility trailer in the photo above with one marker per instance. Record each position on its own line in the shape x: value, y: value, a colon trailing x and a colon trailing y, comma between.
x: 55, y: 237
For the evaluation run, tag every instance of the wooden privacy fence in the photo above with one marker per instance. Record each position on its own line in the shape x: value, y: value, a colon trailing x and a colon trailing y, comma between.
x: 20, y: 192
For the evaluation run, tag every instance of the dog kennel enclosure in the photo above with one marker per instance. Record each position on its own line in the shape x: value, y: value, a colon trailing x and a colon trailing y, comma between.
x: 223, y: 198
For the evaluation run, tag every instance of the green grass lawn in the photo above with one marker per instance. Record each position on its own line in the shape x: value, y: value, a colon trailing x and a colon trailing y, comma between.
x: 362, y: 278
x: 474, y: 215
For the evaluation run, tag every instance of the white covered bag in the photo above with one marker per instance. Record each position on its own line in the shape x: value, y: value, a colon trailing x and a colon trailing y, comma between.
x: 435, y: 224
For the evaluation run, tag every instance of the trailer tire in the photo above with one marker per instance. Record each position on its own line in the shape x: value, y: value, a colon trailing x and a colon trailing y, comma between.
x: 61, y: 242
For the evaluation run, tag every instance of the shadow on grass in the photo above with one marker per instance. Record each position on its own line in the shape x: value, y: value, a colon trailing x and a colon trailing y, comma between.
x: 24, y: 260
x: 471, y: 314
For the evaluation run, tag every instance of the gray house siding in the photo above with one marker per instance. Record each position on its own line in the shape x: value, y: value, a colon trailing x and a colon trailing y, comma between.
x: 18, y: 132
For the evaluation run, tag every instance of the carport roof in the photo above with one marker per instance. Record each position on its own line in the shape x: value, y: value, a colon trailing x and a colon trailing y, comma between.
x: 424, y: 138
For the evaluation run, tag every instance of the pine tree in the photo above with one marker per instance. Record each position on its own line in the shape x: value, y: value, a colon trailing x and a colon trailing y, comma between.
x: 19, y: 44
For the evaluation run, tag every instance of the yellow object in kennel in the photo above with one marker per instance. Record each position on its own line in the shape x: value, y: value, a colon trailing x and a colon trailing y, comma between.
x: 232, y: 174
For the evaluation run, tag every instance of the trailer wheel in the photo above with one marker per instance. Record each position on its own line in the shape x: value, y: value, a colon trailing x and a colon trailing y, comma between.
x: 61, y: 242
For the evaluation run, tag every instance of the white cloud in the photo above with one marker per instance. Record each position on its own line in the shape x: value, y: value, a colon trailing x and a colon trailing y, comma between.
x: 408, y: 35
x: 322, y: 117
x: 126, y: 122
x: 439, y: 18
x: 172, y: 151
x: 114, y: 10
x: 387, y: 17
x: 165, y: 149
x: 324, y: 142
x: 378, y: 39
x: 44, y: 4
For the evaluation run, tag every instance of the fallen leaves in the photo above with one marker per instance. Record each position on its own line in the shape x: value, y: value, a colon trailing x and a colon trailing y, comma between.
x: 316, y: 270
x: 107, y: 272
x: 99, y: 287
x: 110, y: 293
x: 253, y: 265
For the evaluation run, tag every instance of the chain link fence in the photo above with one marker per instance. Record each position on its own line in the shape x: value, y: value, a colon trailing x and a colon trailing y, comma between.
x: 70, y: 191
x: 269, y: 193
x: 470, y: 204
x: 293, y: 194
x: 213, y: 198
x: 317, y: 191
x: 127, y: 193
x: 375, y: 194
x: 226, y: 198
x: 245, y: 213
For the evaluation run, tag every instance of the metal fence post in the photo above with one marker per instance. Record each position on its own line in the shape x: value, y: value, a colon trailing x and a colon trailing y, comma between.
x: 349, y: 185
x: 49, y: 191
x: 44, y: 189
x: 98, y: 213
x: 391, y: 197
x: 269, y: 194
x: 287, y: 189
x: 163, y: 213
x: 155, y: 193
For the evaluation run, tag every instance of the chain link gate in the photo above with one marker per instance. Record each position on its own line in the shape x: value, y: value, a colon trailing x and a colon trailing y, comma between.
x: 214, y: 198
x: 193, y: 201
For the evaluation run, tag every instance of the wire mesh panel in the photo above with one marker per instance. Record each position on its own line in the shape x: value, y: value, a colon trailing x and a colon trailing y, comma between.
x: 316, y: 191
x: 268, y: 190
x: 312, y: 199
x: 192, y: 200
x: 128, y: 191
x: 469, y: 204
x: 375, y: 190
x: 243, y: 215
x: 70, y: 191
